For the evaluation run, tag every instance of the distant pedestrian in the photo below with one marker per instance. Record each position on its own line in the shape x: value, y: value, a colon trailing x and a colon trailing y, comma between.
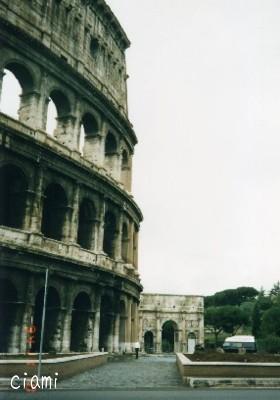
x: 137, y: 348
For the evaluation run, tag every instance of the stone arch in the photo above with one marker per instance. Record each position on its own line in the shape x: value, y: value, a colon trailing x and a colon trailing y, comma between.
x: 125, y: 169
x: 110, y: 231
x: 87, y: 217
x: 13, y: 196
x: 80, y: 322
x: 54, y: 212
x: 125, y: 242
x: 17, y: 102
x: 111, y: 153
x: 58, y: 109
x: 106, y: 323
x: 9, y: 308
x: 168, y: 336
x: 52, y: 320
x: 88, y: 134
x: 149, y: 342
x: 122, y: 330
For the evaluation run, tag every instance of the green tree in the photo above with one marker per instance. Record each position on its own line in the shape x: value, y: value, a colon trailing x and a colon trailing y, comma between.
x: 225, y: 319
x: 270, y: 324
x: 231, y: 297
x: 262, y: 304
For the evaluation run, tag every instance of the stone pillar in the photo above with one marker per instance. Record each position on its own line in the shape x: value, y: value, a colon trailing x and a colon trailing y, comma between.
x: 71, y: 223
x: 15, y: 330
x: 92, y: 148
x: 128, y: 327
x: 95, y: 235
x: 90, y: 332
x: 66, y: 330
x: 158, y: 336
x: 118, y: 238
x: 35, y: 202
x: 100, y: 228
x: 29, y: 107
x: 130, y: 243
x: 64, y: 131
x: 141, y: 332
x: 96, y: 323
x: 116, y: 346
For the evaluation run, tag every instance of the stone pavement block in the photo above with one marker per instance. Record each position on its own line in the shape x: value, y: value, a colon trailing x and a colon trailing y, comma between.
x: 146, y: 372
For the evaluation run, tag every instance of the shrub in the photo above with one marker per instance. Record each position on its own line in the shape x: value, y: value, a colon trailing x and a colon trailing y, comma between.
x: 269, y: 344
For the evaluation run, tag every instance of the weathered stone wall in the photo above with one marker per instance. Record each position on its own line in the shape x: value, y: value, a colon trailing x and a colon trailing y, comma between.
x: 64, y: 207
x: 185, y: 314
x: 85, y: 35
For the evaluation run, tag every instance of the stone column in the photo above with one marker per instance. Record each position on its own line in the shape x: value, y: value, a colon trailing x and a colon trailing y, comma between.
x: 34, y: 219
x: 27, y: 329
x: 71, y: 225
x: 66, y: 330
x: 128, y: 327
x: 116, y: 346
x: 100, y: 228
x: 96, y: 324
x: 158, y: 336
x: 29, y: 107
x: 92, y: 148
x: 118, y: 238
x: 64, y: 131
x: 130, y: 243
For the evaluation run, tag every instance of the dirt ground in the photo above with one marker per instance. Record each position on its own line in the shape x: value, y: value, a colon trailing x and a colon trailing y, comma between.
x: 248, y: 357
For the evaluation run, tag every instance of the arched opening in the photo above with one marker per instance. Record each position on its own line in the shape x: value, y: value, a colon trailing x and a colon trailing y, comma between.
x: 86, y: 224
x: 149, y: 342
x: 51, y: 118
x: 54, y: 212
x: 58, y: 109
x: 110, y: 145
x: 168, y: 337
x: 13, y: 190
x: 52, y: 323
x: 88, y: 134
x: 125, y: 163
x: 80, y: 322
x: 125, y: 170
x: 8, y: 315
x: 125, y: 243
x: 10, y: 96
x: 111, y: 152
x: 17, y: 82
x: 109, y: 234
x: 106, y: 324
x: 122, y: 326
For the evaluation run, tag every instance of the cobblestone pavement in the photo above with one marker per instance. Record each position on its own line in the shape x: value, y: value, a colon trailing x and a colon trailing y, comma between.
x: 153, y: 371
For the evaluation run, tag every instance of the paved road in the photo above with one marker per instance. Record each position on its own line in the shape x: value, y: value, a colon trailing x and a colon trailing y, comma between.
x: 185, y: 394
x: 147, y: 372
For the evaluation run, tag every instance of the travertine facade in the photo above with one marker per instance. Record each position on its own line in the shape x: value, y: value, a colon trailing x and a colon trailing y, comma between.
x: 170, y: 323
x: 65, y: 203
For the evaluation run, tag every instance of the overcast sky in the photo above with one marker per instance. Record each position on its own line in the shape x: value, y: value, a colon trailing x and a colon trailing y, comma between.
x: 204, y: 98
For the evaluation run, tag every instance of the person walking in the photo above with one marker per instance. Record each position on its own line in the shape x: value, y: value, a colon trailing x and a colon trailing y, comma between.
x: 137, y: 348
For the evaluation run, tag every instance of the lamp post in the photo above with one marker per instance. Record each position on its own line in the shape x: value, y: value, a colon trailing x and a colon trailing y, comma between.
x: 43, y: 323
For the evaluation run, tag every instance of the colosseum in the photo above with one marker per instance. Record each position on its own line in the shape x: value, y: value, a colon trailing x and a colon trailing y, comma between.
x: 65, y: 193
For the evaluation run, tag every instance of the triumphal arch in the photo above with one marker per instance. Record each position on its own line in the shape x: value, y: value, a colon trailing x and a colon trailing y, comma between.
x: 171, y: 323
x: 65, y: 194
